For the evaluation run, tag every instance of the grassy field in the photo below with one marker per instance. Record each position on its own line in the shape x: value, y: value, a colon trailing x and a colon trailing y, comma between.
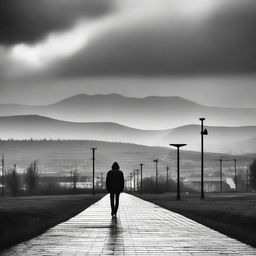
x: 22, y: 218
x: 230, y: 214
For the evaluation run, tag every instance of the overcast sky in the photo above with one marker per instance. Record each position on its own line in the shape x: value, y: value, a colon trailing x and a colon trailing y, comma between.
x: 203, y: 50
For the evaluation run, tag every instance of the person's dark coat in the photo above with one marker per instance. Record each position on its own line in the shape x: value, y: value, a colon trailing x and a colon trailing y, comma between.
x: 115, y: 181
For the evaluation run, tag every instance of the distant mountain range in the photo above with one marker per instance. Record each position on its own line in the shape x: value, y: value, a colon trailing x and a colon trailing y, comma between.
x: 149, y: 113
x: 221, y: 139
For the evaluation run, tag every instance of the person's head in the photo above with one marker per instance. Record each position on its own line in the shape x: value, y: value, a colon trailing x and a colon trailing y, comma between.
x: 115, y: 166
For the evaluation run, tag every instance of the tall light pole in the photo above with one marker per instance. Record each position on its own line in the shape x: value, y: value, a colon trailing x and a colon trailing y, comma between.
x: 101, y: 175
x: 134, y: 180
x: 3, y: 175
x: 128, y: 185
x: 137, y: 174
x: 167, y: 177
x: 93, y: 169
x: 235, y: 174
x: 178, y: 146
x: 156, y: 161
x: 247, y: 179
x: 220, y: 175
x: 141, y: 181
x: 131, y: 181
x: 203, y: 132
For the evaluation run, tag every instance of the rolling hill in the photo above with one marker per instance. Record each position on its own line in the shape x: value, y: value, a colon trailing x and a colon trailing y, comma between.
x: 150, y: 113
x: 38, y: 127
x: 220, y: 139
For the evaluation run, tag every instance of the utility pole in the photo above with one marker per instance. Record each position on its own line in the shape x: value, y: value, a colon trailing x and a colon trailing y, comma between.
x: 34, y: 166
x: 75, y: 179
x: 93, y: 169
x: 141, y: 181
x: 71, y: 179
x: 235, y: 175
x: 3, y: 175
x: 156, y: 161
x: 220, y: 175
x: 101, y: 175
x: 203, y: 132
x: 134, y: 179
x: 131, y: 181
x: 167, y: 177
x: 137, y: 172
x: 128, y: 183
x: 247, y: 179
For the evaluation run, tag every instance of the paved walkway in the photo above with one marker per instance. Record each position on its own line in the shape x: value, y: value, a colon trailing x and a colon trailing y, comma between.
x: 141, y: 228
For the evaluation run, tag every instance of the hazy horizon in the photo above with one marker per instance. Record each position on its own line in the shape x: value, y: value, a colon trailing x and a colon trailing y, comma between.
x: 233, y: 91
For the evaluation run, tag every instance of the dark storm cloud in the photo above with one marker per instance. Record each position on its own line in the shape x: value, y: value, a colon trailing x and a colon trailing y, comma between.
x: 224, y: 42
x: 28, y: 21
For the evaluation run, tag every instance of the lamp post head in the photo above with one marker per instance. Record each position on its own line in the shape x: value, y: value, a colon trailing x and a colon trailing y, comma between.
x: 178, y: 145
x: 155, y: 160
x: 202, y: 119
x: 205, y: 132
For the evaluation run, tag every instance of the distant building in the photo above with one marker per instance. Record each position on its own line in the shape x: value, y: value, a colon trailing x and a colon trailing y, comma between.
x: 79, y: 184
x: 211, y: 184
x: 231, y: 183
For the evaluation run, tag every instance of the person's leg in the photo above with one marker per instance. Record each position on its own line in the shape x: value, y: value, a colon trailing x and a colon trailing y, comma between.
x: 117, y: 202
x: 112, y: 203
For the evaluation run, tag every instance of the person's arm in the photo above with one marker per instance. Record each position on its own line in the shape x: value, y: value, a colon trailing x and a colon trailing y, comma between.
x: 122, y: 182
x: 107, y: 182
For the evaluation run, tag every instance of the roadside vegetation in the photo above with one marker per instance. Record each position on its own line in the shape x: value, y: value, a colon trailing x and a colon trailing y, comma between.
x: 22, y: 218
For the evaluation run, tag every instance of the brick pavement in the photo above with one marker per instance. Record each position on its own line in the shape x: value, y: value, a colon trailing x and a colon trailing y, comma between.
x: 141, y: 228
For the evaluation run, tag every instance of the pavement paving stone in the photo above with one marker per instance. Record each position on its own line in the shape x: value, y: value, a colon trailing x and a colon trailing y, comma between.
x: 141, y: 228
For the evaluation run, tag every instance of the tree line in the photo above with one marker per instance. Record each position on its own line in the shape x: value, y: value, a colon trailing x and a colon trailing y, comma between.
x: 30, y: 182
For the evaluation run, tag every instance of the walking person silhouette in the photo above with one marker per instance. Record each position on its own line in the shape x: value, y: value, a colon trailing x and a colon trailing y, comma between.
x: 115, y: 185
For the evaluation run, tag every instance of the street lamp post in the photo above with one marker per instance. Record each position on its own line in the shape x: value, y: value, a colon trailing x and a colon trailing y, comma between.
x: 128, y: 182
x: 137, y: 174
x: 101, y: 175
x: 178, y: 146
x: 131, y: 182
x: 156, y: 161
x: 141, y: 181
x: 93, y: 169
x: 247, y: 179
x: 167, y: 177
x: 220, y: 175
x: 235, y: 175
x: 203, y: 132
x: 3, y: 174
x: 134, y: 180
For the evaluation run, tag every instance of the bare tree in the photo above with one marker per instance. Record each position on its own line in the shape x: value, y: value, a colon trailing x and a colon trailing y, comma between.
x: 74, y: 178
x: 13, y: 181
x: 252, y: 174
x: 31, y: 176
